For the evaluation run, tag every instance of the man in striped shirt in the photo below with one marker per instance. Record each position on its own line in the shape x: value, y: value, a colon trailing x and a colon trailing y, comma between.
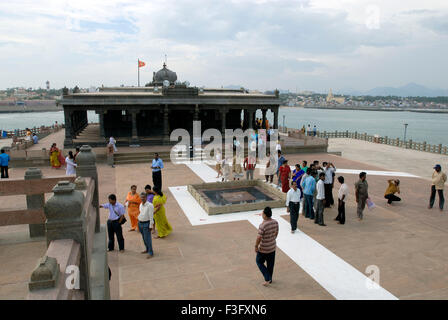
x: 265, y: 245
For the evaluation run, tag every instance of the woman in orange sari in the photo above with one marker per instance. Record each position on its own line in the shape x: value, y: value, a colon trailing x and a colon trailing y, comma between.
x: 133, y: 203
x: 56, y: 159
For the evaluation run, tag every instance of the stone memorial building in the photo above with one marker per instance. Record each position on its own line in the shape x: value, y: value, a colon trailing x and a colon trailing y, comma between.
x: 147, y: 115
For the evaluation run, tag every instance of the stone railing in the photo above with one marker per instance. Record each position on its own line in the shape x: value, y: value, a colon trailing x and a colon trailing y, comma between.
x: 18, y: 136
x: 34, y: 186
x: 409, y: 144
x: 18, y: 133
x: 75, y: 265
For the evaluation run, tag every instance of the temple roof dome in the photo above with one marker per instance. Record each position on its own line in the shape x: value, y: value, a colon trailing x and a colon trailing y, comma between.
x: 164, y: 74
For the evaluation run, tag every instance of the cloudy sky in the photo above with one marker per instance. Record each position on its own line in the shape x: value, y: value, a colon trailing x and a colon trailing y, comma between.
x: 260, y: 44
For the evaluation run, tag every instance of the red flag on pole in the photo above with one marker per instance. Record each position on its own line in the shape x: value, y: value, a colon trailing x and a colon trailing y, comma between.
x: 141, y: 64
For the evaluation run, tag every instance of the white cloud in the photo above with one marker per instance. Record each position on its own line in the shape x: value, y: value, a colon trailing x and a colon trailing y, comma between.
x: 262, y: 44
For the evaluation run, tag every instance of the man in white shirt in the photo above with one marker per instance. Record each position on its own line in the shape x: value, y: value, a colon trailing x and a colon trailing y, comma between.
x: 146, y: 222
x: 293, y: 197
x: 320, y: 197
x: 342, y: 197
x: 329, y: 170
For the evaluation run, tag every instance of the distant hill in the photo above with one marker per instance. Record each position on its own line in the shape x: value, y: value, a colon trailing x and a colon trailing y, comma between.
x: 409, y: 90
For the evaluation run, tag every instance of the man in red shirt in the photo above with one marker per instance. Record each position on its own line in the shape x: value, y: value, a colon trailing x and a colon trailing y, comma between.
x: 265, y: 245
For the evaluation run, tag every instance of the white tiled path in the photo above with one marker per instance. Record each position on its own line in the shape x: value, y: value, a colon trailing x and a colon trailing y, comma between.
x: 339, y: 278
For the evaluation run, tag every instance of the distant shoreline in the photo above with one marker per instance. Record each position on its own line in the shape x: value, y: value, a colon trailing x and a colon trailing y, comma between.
x: 373, y: 109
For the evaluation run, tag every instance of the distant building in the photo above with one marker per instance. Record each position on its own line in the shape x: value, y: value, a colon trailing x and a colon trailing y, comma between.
x: 331, y: 98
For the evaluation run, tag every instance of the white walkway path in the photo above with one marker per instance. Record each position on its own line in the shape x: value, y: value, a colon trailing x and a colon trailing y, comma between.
x: 339, y: 278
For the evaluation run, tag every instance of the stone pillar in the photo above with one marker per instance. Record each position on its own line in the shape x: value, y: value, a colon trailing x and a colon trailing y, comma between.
x: 86, y: 161
x: 134, y: 126
x: 68, y: 142
x: 251, y: 119
x: 65, y: 220
x: 166, y: 126
x: 35, y: 201
x: 263, y: 126
x: 223, y: 120
x: 196, y: 113
x: 276, y: 118
x: 101, y: 119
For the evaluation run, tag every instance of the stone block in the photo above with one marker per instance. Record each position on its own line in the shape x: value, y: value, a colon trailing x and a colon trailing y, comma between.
x: 45, y: 275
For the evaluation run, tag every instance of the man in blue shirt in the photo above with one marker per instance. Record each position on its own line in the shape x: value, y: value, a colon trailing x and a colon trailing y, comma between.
x: 309, y: 185
x: 116, y: 215
x: 4, y: 163
x: 35, y: 139
x: 157, y: 166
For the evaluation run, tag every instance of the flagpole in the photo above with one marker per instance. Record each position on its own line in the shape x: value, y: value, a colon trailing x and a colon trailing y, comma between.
x: 138, y: 68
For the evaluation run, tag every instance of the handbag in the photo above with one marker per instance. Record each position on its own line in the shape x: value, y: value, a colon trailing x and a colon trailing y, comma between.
x: 123, y: 220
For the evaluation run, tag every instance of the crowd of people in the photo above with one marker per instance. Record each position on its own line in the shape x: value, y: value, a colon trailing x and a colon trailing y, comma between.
x: 311, y: 191
x: 146, y: 212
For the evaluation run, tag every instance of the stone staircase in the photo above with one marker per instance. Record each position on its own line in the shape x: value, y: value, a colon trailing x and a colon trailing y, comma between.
x: 145, y: 157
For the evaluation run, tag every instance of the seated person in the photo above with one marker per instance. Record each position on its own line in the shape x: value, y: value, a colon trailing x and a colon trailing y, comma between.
x: 391, y: 190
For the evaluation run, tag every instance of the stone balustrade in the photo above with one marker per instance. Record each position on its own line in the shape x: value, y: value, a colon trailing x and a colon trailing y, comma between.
x: 34, y: 185
x: 76, y: 240
x: 396, y: 142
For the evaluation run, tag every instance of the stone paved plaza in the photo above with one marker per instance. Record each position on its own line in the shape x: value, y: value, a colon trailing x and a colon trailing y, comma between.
x: 216, y: 261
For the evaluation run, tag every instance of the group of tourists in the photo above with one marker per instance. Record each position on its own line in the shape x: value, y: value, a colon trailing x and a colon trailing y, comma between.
x: 309, y: 131
x: 146, y: 211
x: 265, y: 243
x: 57, y: 160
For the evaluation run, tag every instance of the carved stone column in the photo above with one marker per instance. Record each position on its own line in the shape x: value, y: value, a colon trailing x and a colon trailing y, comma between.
x: 276, y: 118
x: 65, y: 220
x: 86, y: 161
x: 223, y: 120
x: 251, y: 119
x: 263, y: 126
x: 134, y: 134
x: 68, y: 142
x: 36, y: 201
x: 196, y: 113
x: 166, y: 126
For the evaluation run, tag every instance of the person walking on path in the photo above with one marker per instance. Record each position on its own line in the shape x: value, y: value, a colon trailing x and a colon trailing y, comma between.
x: 4, y: 164
x: 265, y: 245
x: 329, y: 170
x: 361, y: 194
x: 70, y: 164
x: 342, y: 198
x: 249, y: 166
x: 116, y: 216
x: 309, y: 185
x: 271, y: 167
x: 394, y: 187
x: 218, y: 159
x: 320, y: 197
x: 157, y: 166
x: 113, y: 142
x: 146, y: 223
x: 285, y: 175
x: 133, y: 203
x: 438, y: 184
x: 237, y: 169
x: 163, y: 226
x: 293, y: 198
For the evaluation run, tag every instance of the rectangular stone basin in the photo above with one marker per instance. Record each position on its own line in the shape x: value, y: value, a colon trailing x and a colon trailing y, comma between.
x: 236, y: 196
